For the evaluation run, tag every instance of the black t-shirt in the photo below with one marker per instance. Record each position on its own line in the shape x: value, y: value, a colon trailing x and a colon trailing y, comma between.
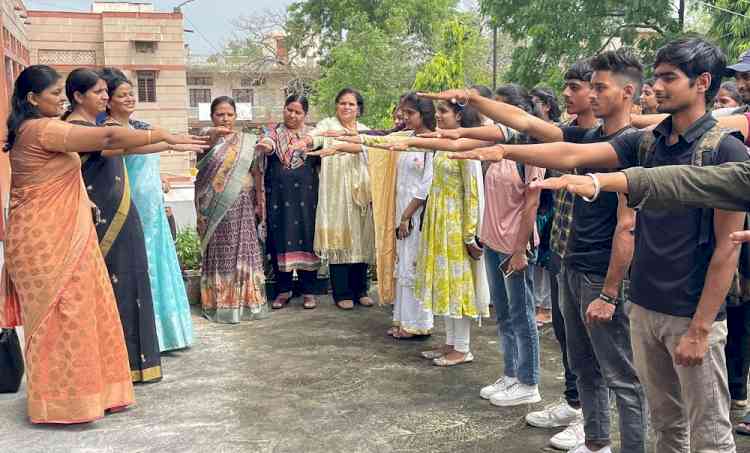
x: 669, y: 265
x: 590, y: 242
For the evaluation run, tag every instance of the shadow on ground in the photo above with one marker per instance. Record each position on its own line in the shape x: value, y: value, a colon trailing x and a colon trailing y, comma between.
x: 307, y: 381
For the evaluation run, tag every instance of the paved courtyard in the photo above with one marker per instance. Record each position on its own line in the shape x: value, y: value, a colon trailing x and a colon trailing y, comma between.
x: 307, y: 381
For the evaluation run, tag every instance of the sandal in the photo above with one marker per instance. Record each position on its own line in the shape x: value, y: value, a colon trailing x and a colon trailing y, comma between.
x: 347, y: 304
x: 446, y: 362
x: 366, y: 301
x: 433, y: 354
x: 404, y: 335
x: 282, y: 299
x: 310, y: 302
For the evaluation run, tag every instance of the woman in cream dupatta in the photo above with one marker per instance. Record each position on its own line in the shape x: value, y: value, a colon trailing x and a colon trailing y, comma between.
x: 230, y: 204
x: 344, y: 229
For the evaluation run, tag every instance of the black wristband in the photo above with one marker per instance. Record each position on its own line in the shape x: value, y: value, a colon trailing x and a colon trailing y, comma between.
x: 608, y: 299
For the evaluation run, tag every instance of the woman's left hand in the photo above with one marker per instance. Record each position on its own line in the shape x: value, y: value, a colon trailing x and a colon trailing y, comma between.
x: 475, y: 251
x: 404, y: 229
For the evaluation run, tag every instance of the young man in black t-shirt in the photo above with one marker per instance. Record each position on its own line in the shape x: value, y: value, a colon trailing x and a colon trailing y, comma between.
x: 594, y: 266
x: 678, y: 281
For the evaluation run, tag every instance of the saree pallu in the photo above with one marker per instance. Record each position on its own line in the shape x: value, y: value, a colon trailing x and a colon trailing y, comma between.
x: 118, y: 227
x: 229, y: 195
x: 292, y: 198
x: 174, y: 325
x: 76, y: 360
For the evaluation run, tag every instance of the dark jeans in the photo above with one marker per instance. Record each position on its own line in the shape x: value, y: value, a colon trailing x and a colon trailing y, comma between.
x: 558, y: 326
x: 307, y: 279
x: 738, y: 350
x: 348, y: 281
x: 513, y: 298
x: 601, y: 356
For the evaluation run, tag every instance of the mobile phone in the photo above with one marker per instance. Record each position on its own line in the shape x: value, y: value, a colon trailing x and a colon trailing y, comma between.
x: 505, y: 267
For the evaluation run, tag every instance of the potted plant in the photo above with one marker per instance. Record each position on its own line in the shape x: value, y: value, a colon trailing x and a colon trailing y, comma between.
x: 188, y: 246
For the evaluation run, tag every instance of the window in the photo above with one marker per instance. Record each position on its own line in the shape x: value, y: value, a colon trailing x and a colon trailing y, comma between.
x: 146, y: 86
x: 199, y: 96
x: 243, y: 95
x: 145, y: 46
x: 195, y: 80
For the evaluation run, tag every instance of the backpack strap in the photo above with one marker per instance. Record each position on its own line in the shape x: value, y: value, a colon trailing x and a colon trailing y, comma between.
x: 646, y: 147
x: 705, y: 154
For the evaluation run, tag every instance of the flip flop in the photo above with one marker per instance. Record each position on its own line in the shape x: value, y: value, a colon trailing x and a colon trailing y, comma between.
x: 347, y: 304
x: 281, y: 300
x: 310, y: 302
x: 445, y: 362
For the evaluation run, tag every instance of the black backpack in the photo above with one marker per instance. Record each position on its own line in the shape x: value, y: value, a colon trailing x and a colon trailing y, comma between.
x: 705, y: 153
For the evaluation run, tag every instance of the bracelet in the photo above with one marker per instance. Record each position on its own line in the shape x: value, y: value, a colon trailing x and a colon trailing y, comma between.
x: 608, y: 299
x: 597, y: 189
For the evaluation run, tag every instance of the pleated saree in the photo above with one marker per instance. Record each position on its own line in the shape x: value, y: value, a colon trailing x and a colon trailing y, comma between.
x: 77, y: 363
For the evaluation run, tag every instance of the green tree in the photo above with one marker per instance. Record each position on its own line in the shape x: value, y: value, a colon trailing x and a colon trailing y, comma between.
x: 457, y: 61
x: 555, y: 33
x: 730, y: 25
x: 378, y: 65
x: 329, y: 21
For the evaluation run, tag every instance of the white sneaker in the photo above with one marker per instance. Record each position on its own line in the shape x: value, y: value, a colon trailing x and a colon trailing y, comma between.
x: 572, y: 437
x: 555, y: 416
x: 516, y: 394
x: 499, y: 386
x: 584, y: 449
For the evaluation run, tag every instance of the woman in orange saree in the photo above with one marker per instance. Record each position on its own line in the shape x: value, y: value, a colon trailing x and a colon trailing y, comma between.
x: 56, y: 281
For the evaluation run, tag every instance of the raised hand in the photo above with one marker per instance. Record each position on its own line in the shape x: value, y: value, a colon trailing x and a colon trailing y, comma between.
x: 452, y: 96
x: 337, y: 134
x: 494, y: 153
x: 452, y: 134
x: 579, y: 185
x: 215, y: 133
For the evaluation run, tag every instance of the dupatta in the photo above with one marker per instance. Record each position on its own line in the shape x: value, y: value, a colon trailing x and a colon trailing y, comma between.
x: 222, y: 173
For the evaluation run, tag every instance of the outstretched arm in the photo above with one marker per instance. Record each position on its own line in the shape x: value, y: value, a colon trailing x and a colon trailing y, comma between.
x: 502, y: 113
x: 560, y: 156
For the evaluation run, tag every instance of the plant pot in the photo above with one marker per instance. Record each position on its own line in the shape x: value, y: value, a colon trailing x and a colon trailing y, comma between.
x: 192, y: 279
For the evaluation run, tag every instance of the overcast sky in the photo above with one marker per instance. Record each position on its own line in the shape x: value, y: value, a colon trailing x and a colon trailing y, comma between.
x: 211, y: 19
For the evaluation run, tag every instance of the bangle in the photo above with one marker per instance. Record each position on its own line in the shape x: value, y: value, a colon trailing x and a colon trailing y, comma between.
x: 597, y: 188
x: 608, y: 299
x: 149, y: 137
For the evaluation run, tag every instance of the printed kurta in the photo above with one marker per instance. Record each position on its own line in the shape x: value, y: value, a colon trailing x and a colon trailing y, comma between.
x: 446, y: 273
x: 292, y: 198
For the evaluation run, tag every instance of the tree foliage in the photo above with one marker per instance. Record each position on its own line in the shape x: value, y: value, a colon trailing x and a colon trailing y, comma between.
x: 728, y: 26
x: 329, y: 21
x: 555, y: 33
x: 375, y: 64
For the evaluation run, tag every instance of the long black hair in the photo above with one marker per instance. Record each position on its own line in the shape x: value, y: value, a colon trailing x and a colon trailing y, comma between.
x: 114, y: 78
x: 425, y: 107
x: 79, y: 81
x: 470, y: 116
x: 33, y: 79
x: 517, y: 95
x: 357, y: 96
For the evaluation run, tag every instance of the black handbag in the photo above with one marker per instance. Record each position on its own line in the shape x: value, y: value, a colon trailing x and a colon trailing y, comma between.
x: 11, y: 361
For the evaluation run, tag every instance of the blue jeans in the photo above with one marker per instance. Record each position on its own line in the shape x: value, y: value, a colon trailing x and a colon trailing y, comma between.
x: 513, y: 298
x: 601, y: 356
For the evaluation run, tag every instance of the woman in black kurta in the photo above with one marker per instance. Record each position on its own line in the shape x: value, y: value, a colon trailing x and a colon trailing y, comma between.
x: 118, y: 227
x: 292, y: 197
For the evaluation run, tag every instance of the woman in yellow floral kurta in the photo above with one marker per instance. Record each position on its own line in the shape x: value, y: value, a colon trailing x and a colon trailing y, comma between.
x: 451, y: 279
